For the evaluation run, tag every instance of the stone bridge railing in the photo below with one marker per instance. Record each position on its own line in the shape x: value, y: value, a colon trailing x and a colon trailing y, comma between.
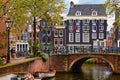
x: 69, y: 62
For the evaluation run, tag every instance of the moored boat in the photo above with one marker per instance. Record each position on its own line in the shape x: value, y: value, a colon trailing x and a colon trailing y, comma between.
x: 47, y: 74
x: 17, y: 76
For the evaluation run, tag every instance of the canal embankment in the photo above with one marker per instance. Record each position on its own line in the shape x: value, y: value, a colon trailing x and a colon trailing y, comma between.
x: 30, y: 65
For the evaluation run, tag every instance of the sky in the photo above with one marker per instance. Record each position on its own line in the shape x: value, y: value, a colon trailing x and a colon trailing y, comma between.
x: 86, y: 1
x: 110, y: 20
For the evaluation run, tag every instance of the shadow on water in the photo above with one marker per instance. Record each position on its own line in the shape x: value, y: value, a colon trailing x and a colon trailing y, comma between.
x: 89, y: 72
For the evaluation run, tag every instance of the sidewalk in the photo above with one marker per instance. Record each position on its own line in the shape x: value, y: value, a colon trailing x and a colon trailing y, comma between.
x: 17, y: 59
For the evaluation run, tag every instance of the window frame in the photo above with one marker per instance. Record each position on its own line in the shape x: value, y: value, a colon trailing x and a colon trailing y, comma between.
x: 94, y: 13
x: 71, y: 37
x: 77, y: 37
x: 78, y: 13
x: 86, y: 37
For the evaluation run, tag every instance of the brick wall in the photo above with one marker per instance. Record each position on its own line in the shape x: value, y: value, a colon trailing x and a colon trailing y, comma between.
x: 31, y: 66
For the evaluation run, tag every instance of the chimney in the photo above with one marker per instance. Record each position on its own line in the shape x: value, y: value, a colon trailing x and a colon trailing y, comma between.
x: 71, y: 4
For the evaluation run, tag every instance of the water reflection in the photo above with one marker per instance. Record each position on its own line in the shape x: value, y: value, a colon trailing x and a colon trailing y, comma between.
x: 89, y: 72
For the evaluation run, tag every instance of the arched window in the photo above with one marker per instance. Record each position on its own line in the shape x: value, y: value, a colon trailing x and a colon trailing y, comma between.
x: 94, y: 13
x: 78, y: 13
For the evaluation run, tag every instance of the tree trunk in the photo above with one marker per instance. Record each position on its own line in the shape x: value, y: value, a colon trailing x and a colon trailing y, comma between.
x: 34, y: 35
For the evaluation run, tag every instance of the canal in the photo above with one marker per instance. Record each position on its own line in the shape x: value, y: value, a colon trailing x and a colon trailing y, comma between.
x: 89, y: 72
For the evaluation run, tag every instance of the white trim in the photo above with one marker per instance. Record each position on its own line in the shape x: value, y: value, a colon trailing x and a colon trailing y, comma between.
x: 118, y: 43
x: 77, y: 37
x: 86, y: 17
x: 78, y: 13
x: 94, y: 13
x: 71, y: 37
x: 79, y: 45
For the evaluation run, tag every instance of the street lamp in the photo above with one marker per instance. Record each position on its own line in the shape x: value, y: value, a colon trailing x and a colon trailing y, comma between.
x: 8, y: 24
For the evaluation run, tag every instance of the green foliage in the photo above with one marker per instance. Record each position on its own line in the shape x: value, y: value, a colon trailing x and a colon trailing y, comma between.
x: 113, y: 6
x: 20, y: 11
x: 43, y: 55
x: 35, y: 47
x: 2, y: 60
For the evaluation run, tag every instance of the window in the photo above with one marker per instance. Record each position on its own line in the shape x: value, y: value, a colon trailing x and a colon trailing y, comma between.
x: 56, y: 41
x: 78, y: 22
x: 77, y: 37
x: 94, y: 35
x: 43, y: 24
x: 86, y: 27
x: 101, y: 27
x: 86, y: 21
x: 17, y: 47
x: 30, y: 35
x: 48, y: 31
x: 94, y: 28
x: 85, y: 37
x: 56, y: 33
x: 94, y: 22
x: 29, y: 28
x: 43, y: 31
x: 101, y: 21
x: 61, y: 33
x: 61, y: 41
x: 77, y: 28
x: 101, y: 35
x: 78, y: 13
x: 71, y: 37
x: 71, y: 22
x: 94, y: 13
x: 48, y: 39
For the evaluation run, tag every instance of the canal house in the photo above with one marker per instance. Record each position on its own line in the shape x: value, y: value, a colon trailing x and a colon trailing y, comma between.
x: 86, y: 27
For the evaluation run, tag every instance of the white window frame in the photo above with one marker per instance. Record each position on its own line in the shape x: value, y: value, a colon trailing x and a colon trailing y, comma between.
x: 94, y: 13
x: 78, y: 13
x: 77, y: 37
x: 94, y: 35
x: 77, y: 22
x: 86, y: 27
x: 56, y: 33
x: 86, y: 21
x: 94, y: 28
x: 55, y: 39
x: 61, y: 39
x: 77, y: 28
x: 101, y: 35
x: 61, y: 33
x: 101, y: 27
x: 94, y: 22
x: 70, y: 22
x: 101, y: 21
x: 85, y: 37
x: 71, y: 37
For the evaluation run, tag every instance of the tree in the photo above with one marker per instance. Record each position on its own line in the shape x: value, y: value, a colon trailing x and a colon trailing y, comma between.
x: 22, y: 10
x: 113, y: 6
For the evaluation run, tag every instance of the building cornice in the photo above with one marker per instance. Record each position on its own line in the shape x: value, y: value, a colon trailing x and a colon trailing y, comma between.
x: 86, y: 17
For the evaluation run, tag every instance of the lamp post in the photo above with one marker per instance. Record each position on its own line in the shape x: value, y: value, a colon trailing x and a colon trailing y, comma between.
x: 8, y: 24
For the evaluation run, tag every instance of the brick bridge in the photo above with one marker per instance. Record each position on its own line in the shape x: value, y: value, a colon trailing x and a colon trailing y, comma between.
x: 72, y: 62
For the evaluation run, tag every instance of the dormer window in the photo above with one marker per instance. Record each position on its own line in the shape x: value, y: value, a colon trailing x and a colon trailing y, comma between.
x: 78, y: 13
x: 94, y: 13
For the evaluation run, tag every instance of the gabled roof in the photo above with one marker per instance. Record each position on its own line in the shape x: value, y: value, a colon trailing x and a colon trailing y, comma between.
x: 86, y: 9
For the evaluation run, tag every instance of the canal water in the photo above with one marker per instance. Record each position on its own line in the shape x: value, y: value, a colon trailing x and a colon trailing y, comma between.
x: 89, y: 72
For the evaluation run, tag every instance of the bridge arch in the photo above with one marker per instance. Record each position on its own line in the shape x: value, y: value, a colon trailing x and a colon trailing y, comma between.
x: 77, y: 63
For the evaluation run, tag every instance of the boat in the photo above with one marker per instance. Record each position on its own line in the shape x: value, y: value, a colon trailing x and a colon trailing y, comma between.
x: 47, y: 74
x: 17, y: 76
